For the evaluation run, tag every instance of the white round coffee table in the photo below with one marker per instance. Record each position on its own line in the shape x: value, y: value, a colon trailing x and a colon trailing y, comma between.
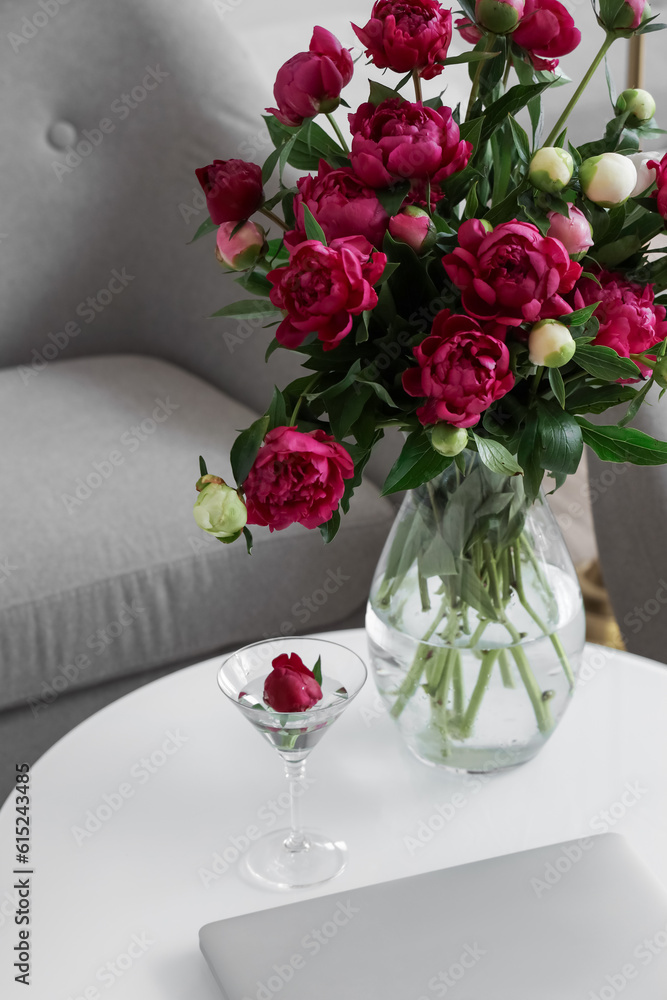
x: 141, y: 814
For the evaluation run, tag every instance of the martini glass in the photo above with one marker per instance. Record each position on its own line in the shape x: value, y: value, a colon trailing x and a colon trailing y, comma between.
x: 296, y: 856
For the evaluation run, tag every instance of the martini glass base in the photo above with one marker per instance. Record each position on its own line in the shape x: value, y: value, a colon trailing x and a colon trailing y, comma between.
x: 269, y: 861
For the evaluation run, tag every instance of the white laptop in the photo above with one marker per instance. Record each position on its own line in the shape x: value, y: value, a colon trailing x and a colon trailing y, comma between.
x: 577, y: 921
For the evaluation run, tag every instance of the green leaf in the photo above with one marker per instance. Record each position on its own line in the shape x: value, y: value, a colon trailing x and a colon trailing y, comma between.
x: 521, y: 140
x: 248, y: 308
x: 255, y: 283
x: 277, y: 412
x: 605, y: 363
x: 514, y: 100
x: 557, y: 385
x: 468, y: 57
x: 474, y: 593
x: 206, y: 227
x: 203, y: 471
x: 496, y: 457
x: 248, y: 540
x: 270, y: 165
x: 528, y: 456
x: 560, y: 439
x: 380, y: 93
x: 381, y: 393
x: 330, y: 528
x: 438, y: 559
x: 417, y: 464
x: 597, y: 399
x: 392, y: 198
x: 633, y: 408
x: 580, y: 316
x: 317, y: 670
x: 623, y: 444
x: 245, y: 448
x: 313, y: 229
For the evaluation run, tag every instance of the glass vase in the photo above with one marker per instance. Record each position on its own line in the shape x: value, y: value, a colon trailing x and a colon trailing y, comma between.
x: 475, y: 620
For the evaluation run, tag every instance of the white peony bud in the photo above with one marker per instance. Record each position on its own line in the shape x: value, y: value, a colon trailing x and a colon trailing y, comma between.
x: 448, y: 440
x: 551, y: 344
x: 639, y: 103
x: 551, y: 169
x: 645, y: 175
x: 608, y: 179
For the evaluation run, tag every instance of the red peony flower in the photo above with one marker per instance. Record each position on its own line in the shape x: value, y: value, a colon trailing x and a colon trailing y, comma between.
x: 407, y: 35
x: 322, y: 288
x: 296, y: 477
x: 291, y: 687
x: 233, y: 189
x: 311, y: 82
x: 513, y: 275
x: 398, y: 141
x: 468, y: 30
x: 545, y: 31
x: 660, y: 192
x: 630, y: 321
x: 342, y: 205
x: 462, y: 370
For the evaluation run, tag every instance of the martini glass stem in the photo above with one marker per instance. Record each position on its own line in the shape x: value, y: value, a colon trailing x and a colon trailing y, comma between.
x: 295, y: 772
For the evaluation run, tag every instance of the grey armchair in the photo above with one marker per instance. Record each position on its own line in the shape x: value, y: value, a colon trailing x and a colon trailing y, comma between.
x: 113, y: 380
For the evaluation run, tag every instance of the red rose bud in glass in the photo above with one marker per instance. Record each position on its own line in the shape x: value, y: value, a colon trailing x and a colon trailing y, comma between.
x: 623, y: 20
x: 407, y: 35
x: 399, y: 140
x: 311, y: 82
x: 573, y: 230
x: 660, y: 193
x: 468, y: 31
x: 233, y: 189
x: 462, y: 371
x: 499, y: 16
x: 546, y: 32
x: 241, y: 250
x: 415, y: 227
x: 512, y: 275
x: 341, y: 204
x: 323, y: 287
x: 297, y: 477
x: 630, y: 320
x: 291, y: 686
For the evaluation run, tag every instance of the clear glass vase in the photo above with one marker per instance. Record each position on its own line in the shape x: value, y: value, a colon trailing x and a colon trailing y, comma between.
x: 475, y: 621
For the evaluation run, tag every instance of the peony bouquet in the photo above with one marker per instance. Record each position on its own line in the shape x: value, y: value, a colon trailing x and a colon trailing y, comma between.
x: 460, y: 273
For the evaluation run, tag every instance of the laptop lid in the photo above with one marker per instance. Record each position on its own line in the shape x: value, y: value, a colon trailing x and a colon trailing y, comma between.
x: 582, y: 920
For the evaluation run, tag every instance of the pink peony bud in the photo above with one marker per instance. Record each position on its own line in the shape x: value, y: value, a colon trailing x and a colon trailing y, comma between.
x: 468, y: 31
x: 623, y: 20
x: 311, y: 82
x: 574, y: 232
x: 499, y: 16
x: 415, y: 227
x: 233, y: 189
x: 240, y: 251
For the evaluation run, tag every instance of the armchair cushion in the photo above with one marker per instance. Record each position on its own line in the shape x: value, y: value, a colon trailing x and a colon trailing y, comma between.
x: 102, y: 572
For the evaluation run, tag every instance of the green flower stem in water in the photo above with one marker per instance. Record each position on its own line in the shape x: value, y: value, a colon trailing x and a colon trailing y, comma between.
x: 555, y: 640
x: 505, y: 670
x: 485, y: 670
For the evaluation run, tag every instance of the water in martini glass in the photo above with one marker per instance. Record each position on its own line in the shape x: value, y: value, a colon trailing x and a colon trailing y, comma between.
x: 295, y: 856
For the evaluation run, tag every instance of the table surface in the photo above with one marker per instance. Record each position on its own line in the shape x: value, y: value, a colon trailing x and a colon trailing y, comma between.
x: 179, y: 779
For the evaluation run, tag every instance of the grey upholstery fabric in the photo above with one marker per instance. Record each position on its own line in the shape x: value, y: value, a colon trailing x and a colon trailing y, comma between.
x: 107, y: 573
x: 128, y: 201
x: 629, y: 510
